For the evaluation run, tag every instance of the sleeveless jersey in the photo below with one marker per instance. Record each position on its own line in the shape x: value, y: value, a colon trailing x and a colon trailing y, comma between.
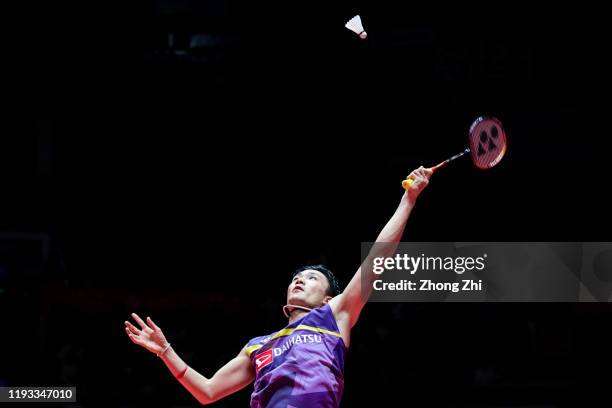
x: 301, y: 366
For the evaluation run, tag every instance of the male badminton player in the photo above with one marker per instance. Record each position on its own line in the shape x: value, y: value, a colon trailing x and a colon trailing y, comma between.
x: 301, y: 365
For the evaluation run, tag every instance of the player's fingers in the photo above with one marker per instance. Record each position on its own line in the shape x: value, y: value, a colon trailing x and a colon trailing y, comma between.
x: 419, y: 172
x: 424, y: 172
x: 152, y: 324
x: 139, y: 321
x: 132, y: 328
x: 132, y: 336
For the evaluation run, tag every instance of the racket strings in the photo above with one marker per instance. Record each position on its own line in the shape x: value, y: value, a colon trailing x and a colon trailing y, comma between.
x: 488, y: 144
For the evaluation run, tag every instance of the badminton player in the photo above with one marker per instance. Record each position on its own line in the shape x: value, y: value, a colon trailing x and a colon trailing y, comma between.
x: 301, y: 365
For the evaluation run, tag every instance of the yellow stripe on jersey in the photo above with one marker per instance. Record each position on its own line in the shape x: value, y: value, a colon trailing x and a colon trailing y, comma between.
x: 287, y: 332
x: 251, y: 349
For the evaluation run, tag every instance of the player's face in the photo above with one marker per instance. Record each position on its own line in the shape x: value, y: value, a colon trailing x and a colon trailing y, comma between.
x: 309, y: 289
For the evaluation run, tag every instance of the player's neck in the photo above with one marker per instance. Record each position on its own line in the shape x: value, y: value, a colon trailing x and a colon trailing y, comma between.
x: 294, y: 312
x: 297, y: 314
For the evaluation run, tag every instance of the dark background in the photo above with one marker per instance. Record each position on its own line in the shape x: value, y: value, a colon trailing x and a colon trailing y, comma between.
x: 180, y: 159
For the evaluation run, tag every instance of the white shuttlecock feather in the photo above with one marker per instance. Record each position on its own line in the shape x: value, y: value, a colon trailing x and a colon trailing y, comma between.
x: 355, y: 25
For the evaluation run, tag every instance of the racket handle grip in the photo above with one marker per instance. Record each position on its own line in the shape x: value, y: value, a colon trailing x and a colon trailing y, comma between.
x: 407, y: 183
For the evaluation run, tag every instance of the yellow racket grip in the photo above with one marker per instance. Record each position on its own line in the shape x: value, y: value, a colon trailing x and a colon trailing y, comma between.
x: 407, y: 183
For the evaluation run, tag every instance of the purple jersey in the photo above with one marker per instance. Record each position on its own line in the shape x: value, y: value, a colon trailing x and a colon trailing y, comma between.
x: 300, y: 366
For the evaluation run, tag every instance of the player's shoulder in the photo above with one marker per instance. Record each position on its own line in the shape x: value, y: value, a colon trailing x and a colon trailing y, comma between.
x: 256, y: 343
x: 260, y: 340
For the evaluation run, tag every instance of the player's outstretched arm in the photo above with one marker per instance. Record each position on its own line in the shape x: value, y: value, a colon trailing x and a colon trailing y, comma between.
x: 347, y: 306
x: 233, y: 376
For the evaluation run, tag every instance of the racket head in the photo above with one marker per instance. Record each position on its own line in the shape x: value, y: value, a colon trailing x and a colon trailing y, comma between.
x: 488, y: 142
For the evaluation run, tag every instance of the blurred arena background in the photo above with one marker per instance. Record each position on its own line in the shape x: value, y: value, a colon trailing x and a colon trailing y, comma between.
x: 180, y: 158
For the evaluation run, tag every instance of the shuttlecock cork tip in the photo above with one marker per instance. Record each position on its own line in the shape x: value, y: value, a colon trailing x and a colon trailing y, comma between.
x: 363, y: 35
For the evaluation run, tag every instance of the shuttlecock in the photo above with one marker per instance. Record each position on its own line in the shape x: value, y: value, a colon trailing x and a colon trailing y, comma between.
x: 354, y: 24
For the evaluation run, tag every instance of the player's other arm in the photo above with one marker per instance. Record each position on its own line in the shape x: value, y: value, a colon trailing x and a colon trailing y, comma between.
x: 348, y: 305
x: 233, y: 376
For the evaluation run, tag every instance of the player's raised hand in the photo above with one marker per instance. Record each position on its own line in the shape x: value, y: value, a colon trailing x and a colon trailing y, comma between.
x: 417, y: 181
x: 148, y: 336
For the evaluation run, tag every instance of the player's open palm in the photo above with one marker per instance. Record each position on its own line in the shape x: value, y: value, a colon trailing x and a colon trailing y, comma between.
x: 148, y: 336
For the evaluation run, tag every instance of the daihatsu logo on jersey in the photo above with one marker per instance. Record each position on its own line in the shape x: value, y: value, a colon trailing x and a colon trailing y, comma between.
x: 263, y: 360
x: 297, y: 339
